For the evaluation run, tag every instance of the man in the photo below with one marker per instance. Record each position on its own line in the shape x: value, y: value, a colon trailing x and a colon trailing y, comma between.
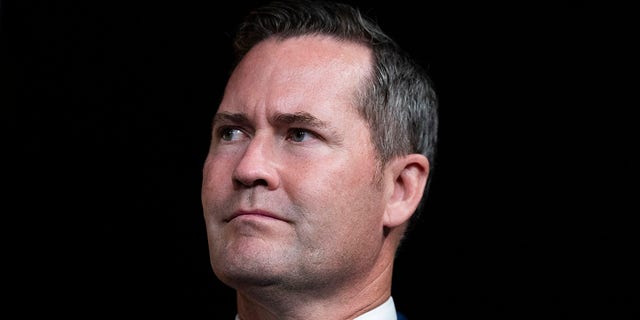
x: 320, y: 155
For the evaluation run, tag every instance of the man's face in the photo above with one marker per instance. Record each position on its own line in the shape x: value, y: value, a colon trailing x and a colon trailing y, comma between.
x: 289, y: 185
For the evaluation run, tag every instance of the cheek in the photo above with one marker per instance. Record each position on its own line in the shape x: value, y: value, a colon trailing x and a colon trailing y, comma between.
x: 342, y: 209
x: 216, y: 173
x: 208, y: 177
x: 335, y: 186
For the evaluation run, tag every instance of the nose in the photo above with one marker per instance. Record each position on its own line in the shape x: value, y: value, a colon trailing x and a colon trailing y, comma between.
x: 257, y: 166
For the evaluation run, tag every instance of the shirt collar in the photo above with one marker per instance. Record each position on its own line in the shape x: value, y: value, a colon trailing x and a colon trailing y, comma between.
x: 385, y: 311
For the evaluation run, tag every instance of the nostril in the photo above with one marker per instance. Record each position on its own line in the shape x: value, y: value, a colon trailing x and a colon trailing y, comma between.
x: 260, y: 182
x: 250, y: 183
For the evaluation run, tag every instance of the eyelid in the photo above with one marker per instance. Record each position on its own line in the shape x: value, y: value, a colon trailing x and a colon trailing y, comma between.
x: 219, y: 130
x: 223, y: 129
x: 314, y: 134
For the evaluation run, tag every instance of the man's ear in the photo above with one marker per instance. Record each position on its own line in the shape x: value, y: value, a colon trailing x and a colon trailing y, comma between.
x: 408, y: 178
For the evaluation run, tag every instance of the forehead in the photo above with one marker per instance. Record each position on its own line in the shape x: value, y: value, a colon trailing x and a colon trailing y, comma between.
x: 299, y: 74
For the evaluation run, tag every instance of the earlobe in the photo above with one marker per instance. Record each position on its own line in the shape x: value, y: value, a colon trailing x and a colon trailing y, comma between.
x: 409, y: 174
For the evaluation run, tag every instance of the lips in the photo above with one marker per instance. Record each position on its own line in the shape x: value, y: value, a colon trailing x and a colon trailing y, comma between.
x: 255, y: 212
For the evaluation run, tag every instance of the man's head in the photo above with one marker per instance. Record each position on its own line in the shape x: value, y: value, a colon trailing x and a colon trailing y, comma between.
x: 304, y: 191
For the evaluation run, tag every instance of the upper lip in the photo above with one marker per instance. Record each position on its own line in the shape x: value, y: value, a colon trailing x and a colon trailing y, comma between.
x: 258, y: 212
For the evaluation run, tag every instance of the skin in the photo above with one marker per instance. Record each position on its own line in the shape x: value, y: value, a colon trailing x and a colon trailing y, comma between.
x: 296, y: 220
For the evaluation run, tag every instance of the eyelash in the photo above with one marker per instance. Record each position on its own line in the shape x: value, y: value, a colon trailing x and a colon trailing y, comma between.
x: 293, y: 131
x: 223, y: 131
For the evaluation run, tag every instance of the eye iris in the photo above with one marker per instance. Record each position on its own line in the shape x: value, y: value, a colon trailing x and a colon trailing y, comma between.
x: 228, y: 134
x: 299, y: 135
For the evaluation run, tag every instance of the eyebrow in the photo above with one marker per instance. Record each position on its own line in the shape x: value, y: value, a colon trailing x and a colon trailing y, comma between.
x: 225, y: 117
x: 297, y: 118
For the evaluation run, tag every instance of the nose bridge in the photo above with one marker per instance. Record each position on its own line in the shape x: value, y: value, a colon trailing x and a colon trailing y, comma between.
x: 258, y: 148
x: 257, y: 164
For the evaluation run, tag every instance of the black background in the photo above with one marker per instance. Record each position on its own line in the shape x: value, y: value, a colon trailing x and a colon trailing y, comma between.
x: 107, y: 106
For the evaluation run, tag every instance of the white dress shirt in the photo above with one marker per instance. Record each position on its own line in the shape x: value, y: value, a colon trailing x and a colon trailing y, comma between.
x: 385, y: 311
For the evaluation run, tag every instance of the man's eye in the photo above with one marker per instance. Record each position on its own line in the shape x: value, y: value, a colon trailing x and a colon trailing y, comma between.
x: 299, y: 135
x: 230, y: 134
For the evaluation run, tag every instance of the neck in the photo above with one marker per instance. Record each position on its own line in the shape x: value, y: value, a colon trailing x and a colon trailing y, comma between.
x: 335, y: 301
